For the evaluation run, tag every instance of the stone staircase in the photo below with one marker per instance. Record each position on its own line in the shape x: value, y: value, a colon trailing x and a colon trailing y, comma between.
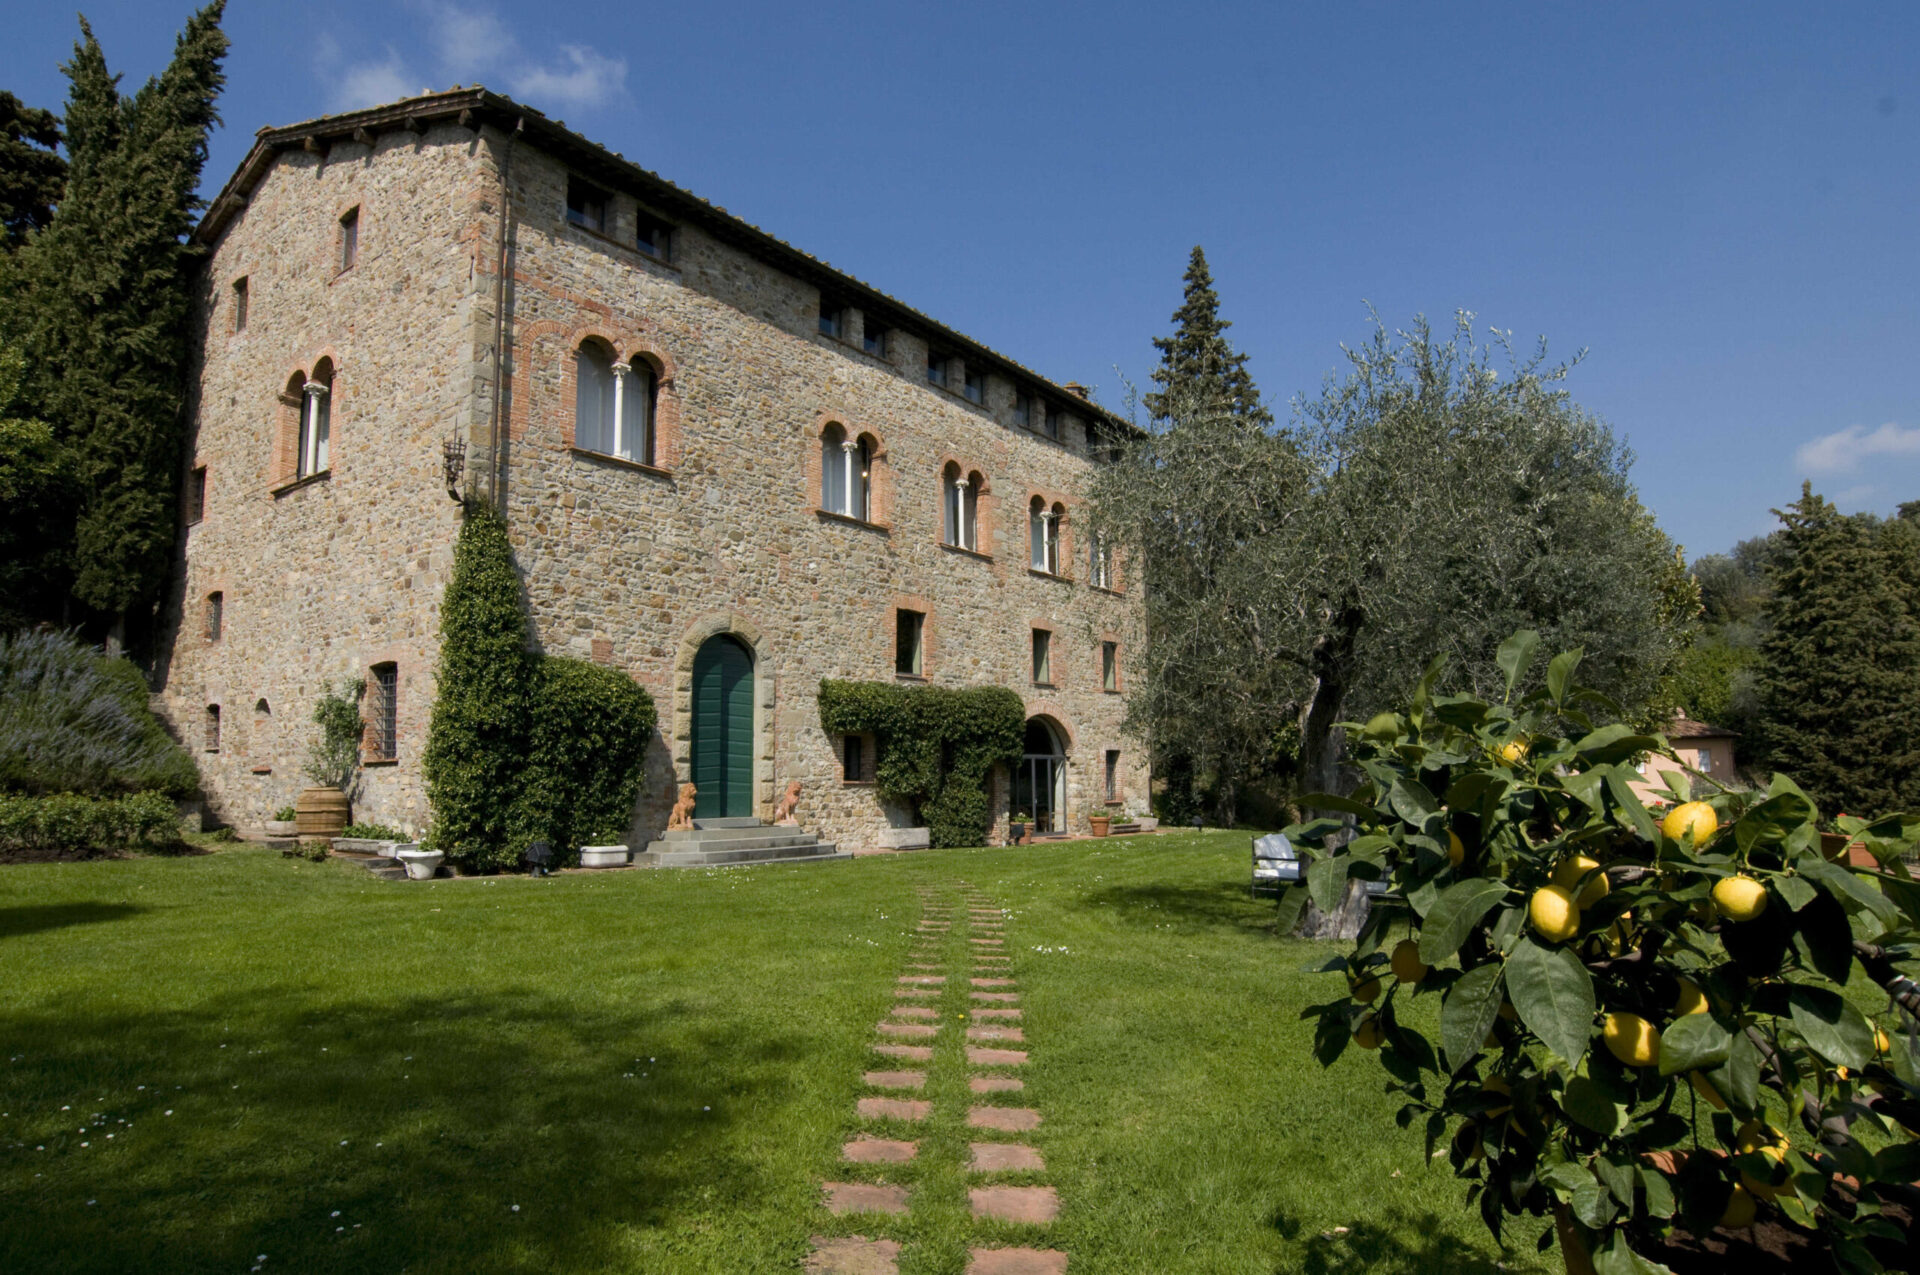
x: 714, y: 843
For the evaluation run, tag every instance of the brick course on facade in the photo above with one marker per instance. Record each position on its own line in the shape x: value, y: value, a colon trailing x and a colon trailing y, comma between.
x: 630, y: 562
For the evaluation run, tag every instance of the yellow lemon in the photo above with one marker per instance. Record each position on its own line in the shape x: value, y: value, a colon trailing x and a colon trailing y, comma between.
x: 1368, y: 1034
x: 1571, y: 871
x: 1364, y: 985
x: 1740, y: 1209
x: 1756, y: 1135
x: 1881, y: 1045
x: 1631, y: 1039
x: 1406, y: 963
x: 1691, y: 999
x: 1696, y: 817
x: 1708, y: 1094
x: 1554, y: 913
x: 1513, y: 752
x: 1382, y: 727
x: 1739, y: 898
x: 1456, y: 849
x: 1468, y: 1140
x: 1496, y: 1084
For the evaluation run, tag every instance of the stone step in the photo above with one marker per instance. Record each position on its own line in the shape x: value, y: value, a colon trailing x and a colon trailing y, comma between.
x: 734, y: 839
x: 731, y: 821
x: 815, y: 852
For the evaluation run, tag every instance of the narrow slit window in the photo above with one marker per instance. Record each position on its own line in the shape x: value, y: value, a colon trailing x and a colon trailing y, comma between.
x: 197, y: 494
x: 1042, y: 658
x: 1112, y: 784
x: 349, y: 238
x: 211, y: 742
x: 853, y: 759
x: 1109, y: 666
x: 383, y: 716
x: 240, y: 305
x: 216, y: 615
x: 909, y: 633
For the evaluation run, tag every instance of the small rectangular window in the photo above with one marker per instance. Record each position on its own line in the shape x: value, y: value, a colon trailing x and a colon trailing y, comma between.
x: 1042, y: 658
x: 197, y: 494
x: 586, y: 205
x: 1023, y: 409
x: 349, y: 238
x: 976, y: 386
x: 1054, y: 421
x: 212, y: 741
x: 874, y: 339
x: 908, y: 634
x: 240, y: 305
x: 383, y: 716
x: 1109, y: 666
x: 853, y: 759
x: 653, y: 236
x: 832, y: 319
x: 1112, y: 787
x: 936, y: 368
x: 216, y: 618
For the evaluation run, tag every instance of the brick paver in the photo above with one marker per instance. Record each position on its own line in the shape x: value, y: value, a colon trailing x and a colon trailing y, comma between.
x: 985, y: 982
x: 1016, y: 1261
x: 921, y: 992
x: 1013, y: 1034
x: 1010, y: 1014
x: 1033, y: 1204
x: 907, y: 1030
x: 924, y: 1011
x: 995, y: 1084
x: 981, y: 1056
x: 896, y: 1079
x: 911, y: 1053
x: 1003, y: 1157
x: 991, y: 997
x: 922, y: 980
x: 852, y: 1255
x: 862, y: 1197
x: 865, y: 1150
x: 893, y: 1109
x: 1004, y: 1119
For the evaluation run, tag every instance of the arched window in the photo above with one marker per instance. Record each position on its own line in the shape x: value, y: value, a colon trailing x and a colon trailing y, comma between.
x: 316, y: 421
x: 593, y: 398
x: 633, y: 409
x: 1099, y: 563
x: 1043, y: 536
x: 262, y: 741
x: 954, y: 505
x: 846, y: 473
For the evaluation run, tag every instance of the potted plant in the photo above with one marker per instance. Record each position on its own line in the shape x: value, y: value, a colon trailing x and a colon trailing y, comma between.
x: 1101, y: 824
x: 1017, y: 824
x: 324, y: 810
x: 284, y: 825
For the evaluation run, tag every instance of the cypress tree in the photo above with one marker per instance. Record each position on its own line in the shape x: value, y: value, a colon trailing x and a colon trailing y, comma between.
x: 1198, y: 365
x: 477, y: 737
x: 32, y: 172
x: 103, y: 301
x: 1839, y: 674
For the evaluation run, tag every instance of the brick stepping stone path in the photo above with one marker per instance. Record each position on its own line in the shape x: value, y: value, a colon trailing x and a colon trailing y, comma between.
x: 923, y: 1001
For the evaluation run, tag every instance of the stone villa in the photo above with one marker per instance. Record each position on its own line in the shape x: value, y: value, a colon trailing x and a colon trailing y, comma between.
x: 727, y: 469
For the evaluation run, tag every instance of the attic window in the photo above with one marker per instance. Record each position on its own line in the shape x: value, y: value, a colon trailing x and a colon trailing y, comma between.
x: 652, y: 236
x: 586, y: 205
x: 833, y: 319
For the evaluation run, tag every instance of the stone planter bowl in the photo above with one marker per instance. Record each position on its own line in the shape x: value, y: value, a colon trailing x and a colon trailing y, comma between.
x: 420, y: 864
x: 603, y: 856
x: 281, y: 829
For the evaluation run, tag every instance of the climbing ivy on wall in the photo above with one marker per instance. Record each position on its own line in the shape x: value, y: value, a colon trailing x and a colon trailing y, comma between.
x: 936, y: 746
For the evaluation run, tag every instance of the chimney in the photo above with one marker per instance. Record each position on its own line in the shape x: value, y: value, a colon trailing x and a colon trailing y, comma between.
x: 1075, y: 388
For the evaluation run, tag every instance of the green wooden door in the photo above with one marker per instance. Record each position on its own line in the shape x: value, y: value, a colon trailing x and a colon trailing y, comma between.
x: 723, y: 729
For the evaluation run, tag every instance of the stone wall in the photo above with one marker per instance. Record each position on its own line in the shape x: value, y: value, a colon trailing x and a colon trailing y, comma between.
x: 632, y: 565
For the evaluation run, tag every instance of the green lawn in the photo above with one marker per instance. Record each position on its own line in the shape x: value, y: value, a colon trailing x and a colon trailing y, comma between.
x: 207, y: 1059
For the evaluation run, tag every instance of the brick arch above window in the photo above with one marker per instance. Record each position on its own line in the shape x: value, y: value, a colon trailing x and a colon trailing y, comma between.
x: 325, y: 364
x: 879, y: 468
x: 550, y: 409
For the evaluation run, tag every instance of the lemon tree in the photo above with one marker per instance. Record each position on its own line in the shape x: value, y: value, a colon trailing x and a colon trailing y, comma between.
x: 1644, y: 1025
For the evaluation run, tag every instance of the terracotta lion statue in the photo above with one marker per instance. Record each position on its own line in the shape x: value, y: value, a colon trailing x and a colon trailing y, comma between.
x: 784, y: 808
x: 682, y: 817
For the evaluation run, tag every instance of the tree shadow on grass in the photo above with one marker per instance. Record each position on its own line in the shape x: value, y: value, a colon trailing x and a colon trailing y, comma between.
x: 33, y: 918
x: 1398, y: 1241
x: 502, y: 1132
x: 1222, y: 906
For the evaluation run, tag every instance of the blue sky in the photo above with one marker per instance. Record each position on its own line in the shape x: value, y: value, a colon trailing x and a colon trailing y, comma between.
x: 1722, y: 205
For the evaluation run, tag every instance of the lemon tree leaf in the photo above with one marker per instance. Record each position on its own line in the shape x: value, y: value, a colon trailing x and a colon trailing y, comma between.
x: 1589, y: 1104
x: 1612, y: 744
x: 1695, y: 1042
x: 1515, y: 654
x: 1327, y: 881
x: 1560, y: 673
x: 1553, y: 994
x: 1453, y: 916
x: 1658, y: 1191
x: 1345, y: 805
x: 1629, y: 803
x: 1411, y: 801
x: 1795, y: 891
x: 1856, y: 894
x: 1467, y: 1015
x: 1831, y: 1027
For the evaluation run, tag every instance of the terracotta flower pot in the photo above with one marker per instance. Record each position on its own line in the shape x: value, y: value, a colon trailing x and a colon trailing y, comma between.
x: 1100, y: 824
x: 322, y: 813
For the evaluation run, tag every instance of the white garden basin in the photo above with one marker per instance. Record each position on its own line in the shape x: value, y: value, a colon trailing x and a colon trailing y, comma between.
x: 420, y: 864
x: 603, y: 856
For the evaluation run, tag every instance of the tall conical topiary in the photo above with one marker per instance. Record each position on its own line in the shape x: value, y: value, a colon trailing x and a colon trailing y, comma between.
x: 1839, y: 673
x: 477, y: 737
x: 1198, y: 365
x: 100, y: 300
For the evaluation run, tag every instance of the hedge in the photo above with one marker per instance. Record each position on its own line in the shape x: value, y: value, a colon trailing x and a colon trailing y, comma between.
x: 936, y: 747
x: 72, y: 720
x: 75, y: 823
x: 587, y: 748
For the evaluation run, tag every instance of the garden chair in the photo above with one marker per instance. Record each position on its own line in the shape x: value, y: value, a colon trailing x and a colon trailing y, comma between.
x: 1275, y: 865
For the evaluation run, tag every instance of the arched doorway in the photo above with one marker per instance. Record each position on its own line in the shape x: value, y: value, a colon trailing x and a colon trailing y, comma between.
x: 1040, y: 780
x: 722, y: 743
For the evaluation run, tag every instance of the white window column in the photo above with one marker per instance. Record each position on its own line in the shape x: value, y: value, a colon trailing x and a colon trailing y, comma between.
x: 1050, y: 542
x: 310, y: 441
x: 620, y: 371
x: 848, y: 449
x: 963, y: 534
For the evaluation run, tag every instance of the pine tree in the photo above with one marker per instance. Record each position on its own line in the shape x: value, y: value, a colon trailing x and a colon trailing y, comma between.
x: 1840, y: 667
x: 103, y: 298
x: 1198, y: 364
x: 32, y: 172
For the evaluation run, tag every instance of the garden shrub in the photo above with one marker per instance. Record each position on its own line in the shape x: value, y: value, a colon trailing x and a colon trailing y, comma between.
x: 74, y: 823
x: 587, y: 748
x: 335, y: 754
x: 372, y: 832
x: 477, y: 735
x: 935, y: 747
x: 1643, y: 1026
x: 72, y: 720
